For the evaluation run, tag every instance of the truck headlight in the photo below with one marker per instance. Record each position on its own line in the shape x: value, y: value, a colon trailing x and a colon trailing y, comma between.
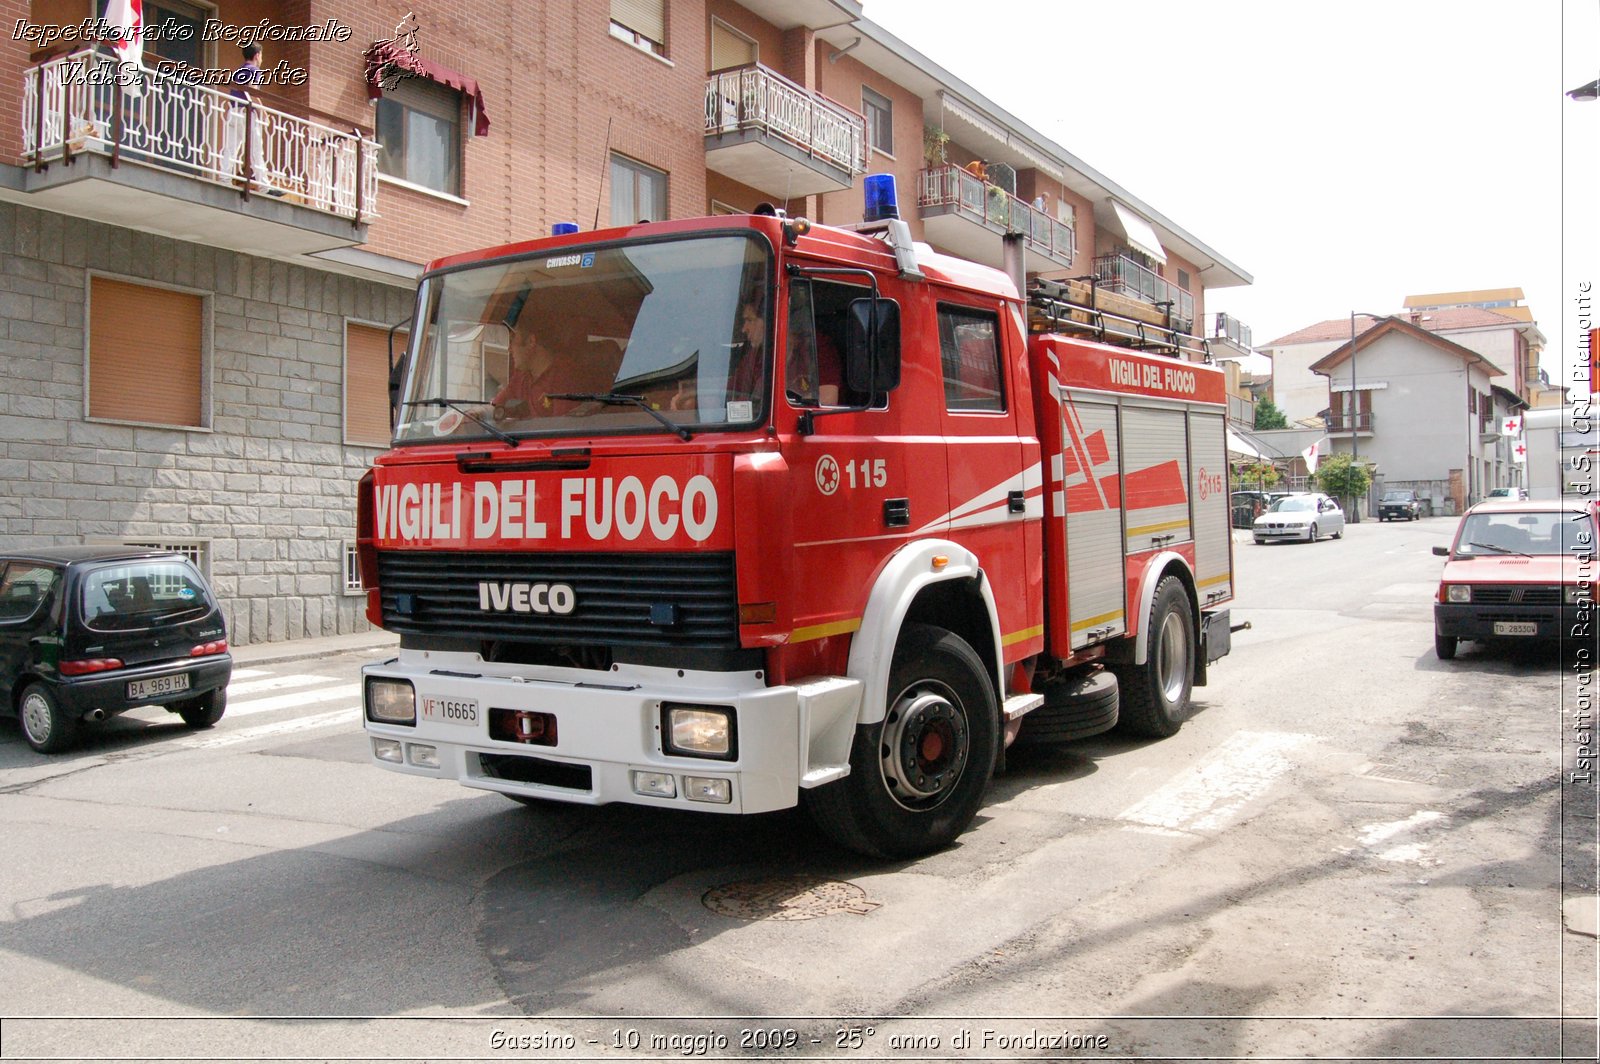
x: 391, y: 701
x: 1458, y: 593
x: 699, y: 731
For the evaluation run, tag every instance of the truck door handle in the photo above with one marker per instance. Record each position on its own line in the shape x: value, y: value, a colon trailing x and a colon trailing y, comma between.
x: 897, y: 513
x: 1017, y: 502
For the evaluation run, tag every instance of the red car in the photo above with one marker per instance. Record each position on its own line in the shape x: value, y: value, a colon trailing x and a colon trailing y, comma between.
x: 1519, y: 570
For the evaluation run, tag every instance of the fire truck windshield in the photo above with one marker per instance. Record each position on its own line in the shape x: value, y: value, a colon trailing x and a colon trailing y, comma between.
x: 613, y: 339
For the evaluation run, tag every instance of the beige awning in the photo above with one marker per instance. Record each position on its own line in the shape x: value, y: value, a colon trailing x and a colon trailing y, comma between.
x: 1140, y: 234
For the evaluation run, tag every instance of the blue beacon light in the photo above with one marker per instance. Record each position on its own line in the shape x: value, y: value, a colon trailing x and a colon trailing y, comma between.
x: 882, y: 201
x: 563, y: 228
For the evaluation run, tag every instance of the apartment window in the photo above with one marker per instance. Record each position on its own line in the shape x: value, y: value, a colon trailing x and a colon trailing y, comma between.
x: 197, y: 551
x: 180, y: 25
x: 638, y: 192
x: 1183, y: 280
x: 969, y: 349
x: 419, y: 135
x: 879, y: 112
x: 352, y: 570
x: 147, y: 354
x: 642, y: 23
x: 730, y: 48
x: 366, y: 383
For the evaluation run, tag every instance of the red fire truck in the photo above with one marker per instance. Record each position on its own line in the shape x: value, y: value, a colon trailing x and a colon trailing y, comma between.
x: 735, y: 513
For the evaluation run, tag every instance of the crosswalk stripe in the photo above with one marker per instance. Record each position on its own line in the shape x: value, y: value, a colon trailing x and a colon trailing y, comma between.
x: 345, y: 715
x: 250, y: 674
x: 1206, y: 797
x: 274, y: 683
x: 294, y: 700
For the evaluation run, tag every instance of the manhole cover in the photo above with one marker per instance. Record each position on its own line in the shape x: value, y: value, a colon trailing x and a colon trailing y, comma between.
x: 787, y: 898
x: 1388, y: 770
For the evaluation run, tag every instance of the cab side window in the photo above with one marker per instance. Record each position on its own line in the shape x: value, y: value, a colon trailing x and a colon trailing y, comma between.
x: 814, y: 356
x: 24, y: 588
x: 969, y: 349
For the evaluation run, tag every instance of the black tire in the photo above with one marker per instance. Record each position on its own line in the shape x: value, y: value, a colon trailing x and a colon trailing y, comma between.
x: 1155, y: 695
x: 206, y: 710
x: 1338, y: 535
x: 46, y: 727
x: 1074, y: 708
x: 1444, y: 646
x: 918, y: 776
x: 1312, y: 536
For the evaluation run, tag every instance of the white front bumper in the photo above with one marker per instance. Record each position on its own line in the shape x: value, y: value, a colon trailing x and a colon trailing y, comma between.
x: 608, y: 727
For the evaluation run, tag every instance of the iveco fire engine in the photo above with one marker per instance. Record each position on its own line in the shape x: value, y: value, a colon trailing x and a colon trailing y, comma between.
x: 738, y: 513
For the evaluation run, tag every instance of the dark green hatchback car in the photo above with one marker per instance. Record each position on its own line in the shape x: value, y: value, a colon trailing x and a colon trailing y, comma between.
x: 90, y: 632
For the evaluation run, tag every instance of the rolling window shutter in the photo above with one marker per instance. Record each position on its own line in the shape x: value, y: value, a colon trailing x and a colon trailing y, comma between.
x: 729, y: 48
x: 648, y: 18
x: 146, y: 352
x: 366, y: 384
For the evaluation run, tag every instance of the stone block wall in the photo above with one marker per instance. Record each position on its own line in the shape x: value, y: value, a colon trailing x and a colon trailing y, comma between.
x: 269, y: 488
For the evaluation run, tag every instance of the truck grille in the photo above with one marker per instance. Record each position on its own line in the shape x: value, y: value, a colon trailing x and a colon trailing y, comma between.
x: 665, y: 600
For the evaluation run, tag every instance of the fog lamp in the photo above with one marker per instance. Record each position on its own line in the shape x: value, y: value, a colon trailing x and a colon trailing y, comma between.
x: 707, y: 789
x: 387, y: 750
x: 654, y: 784
x: 422, y: 755
x: 699, y: 731
x: 391, y: 702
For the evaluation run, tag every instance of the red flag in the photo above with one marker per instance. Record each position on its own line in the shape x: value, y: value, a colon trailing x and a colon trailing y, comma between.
x: 126, y: 19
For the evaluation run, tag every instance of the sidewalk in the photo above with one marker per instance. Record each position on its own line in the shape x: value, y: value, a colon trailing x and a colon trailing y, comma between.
x: 378, y: 642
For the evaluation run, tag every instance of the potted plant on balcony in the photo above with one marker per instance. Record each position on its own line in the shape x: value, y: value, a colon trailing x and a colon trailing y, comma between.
x: 934, y: 143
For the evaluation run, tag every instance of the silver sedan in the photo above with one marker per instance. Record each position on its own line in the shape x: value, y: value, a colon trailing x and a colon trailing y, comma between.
x: 1308, y: 516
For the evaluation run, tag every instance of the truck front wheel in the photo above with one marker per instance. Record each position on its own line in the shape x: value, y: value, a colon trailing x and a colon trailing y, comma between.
x: 1155, y: 695
x: 917, y: 777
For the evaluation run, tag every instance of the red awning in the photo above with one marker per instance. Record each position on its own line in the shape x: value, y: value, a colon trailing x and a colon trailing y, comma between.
x: 390, y: 59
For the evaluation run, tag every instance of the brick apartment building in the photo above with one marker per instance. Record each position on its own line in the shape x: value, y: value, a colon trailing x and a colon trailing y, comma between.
x: 195, y: 351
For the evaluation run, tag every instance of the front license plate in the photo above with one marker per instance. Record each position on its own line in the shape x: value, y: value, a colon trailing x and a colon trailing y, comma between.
x: 160, y: 685
x: 1515, y: 628
x: 450, y: 710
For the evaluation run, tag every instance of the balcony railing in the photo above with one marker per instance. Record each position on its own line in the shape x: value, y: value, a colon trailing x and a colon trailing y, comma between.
x: 754, y: 97
x: 1120, y: 274
x: 951, y: 186
x: 1345, y: 422
x: 1227, y: 327
x: 82, y: 103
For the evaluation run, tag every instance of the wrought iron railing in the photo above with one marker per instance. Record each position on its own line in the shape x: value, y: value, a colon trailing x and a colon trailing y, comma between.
x: 951, y: 186
x: 1345, y: 422
x: 87, y: 102
x: 754, y: 97
x: 1120, y: 274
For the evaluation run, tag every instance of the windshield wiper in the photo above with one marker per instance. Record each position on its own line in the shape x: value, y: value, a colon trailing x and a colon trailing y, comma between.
x: 460, y: 407
x: 1499, y: 549
x: 621, y: 399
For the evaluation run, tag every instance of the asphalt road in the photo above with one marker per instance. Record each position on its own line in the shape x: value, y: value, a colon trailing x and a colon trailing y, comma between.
x: 1352, y: 850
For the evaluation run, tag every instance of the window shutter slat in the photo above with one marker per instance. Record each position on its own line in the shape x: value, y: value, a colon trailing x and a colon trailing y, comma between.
x: 645, y: 17
x: 366, y: 384
x: 145, y: 353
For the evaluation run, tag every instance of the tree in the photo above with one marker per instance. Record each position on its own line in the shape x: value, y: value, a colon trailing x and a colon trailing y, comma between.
x: 1268, y: 416
x: 1341, y: 475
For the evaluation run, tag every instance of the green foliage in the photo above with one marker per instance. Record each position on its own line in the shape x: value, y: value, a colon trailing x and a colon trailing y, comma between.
x: 1268, y: 416
x: 1340, y: 475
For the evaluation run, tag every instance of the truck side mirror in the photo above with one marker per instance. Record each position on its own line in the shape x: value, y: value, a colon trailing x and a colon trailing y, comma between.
x: 868, y: 368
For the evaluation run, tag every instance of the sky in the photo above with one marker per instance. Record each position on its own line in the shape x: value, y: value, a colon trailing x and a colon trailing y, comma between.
x: 1345, y: 155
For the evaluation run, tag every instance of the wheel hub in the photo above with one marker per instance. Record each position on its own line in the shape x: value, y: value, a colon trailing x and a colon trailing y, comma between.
x: 36, y: 718
x: 925, y: 746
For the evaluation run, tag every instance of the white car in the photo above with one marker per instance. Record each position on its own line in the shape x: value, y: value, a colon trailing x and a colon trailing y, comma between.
x: 1306, y: 516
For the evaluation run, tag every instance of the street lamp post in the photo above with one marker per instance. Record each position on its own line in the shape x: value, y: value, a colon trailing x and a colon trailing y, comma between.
x: 1355, y: 417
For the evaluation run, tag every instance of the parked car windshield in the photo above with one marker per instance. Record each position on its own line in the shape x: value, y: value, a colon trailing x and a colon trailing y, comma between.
x: 1294, y: 504
x: 142, y: 594
x: 1513, y: 532
x: 1397, y: 496
x: 672, y: 331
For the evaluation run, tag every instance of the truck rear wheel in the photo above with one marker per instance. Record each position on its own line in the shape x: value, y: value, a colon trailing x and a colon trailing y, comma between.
x: 917, y: 777
x: 1155, y: 695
